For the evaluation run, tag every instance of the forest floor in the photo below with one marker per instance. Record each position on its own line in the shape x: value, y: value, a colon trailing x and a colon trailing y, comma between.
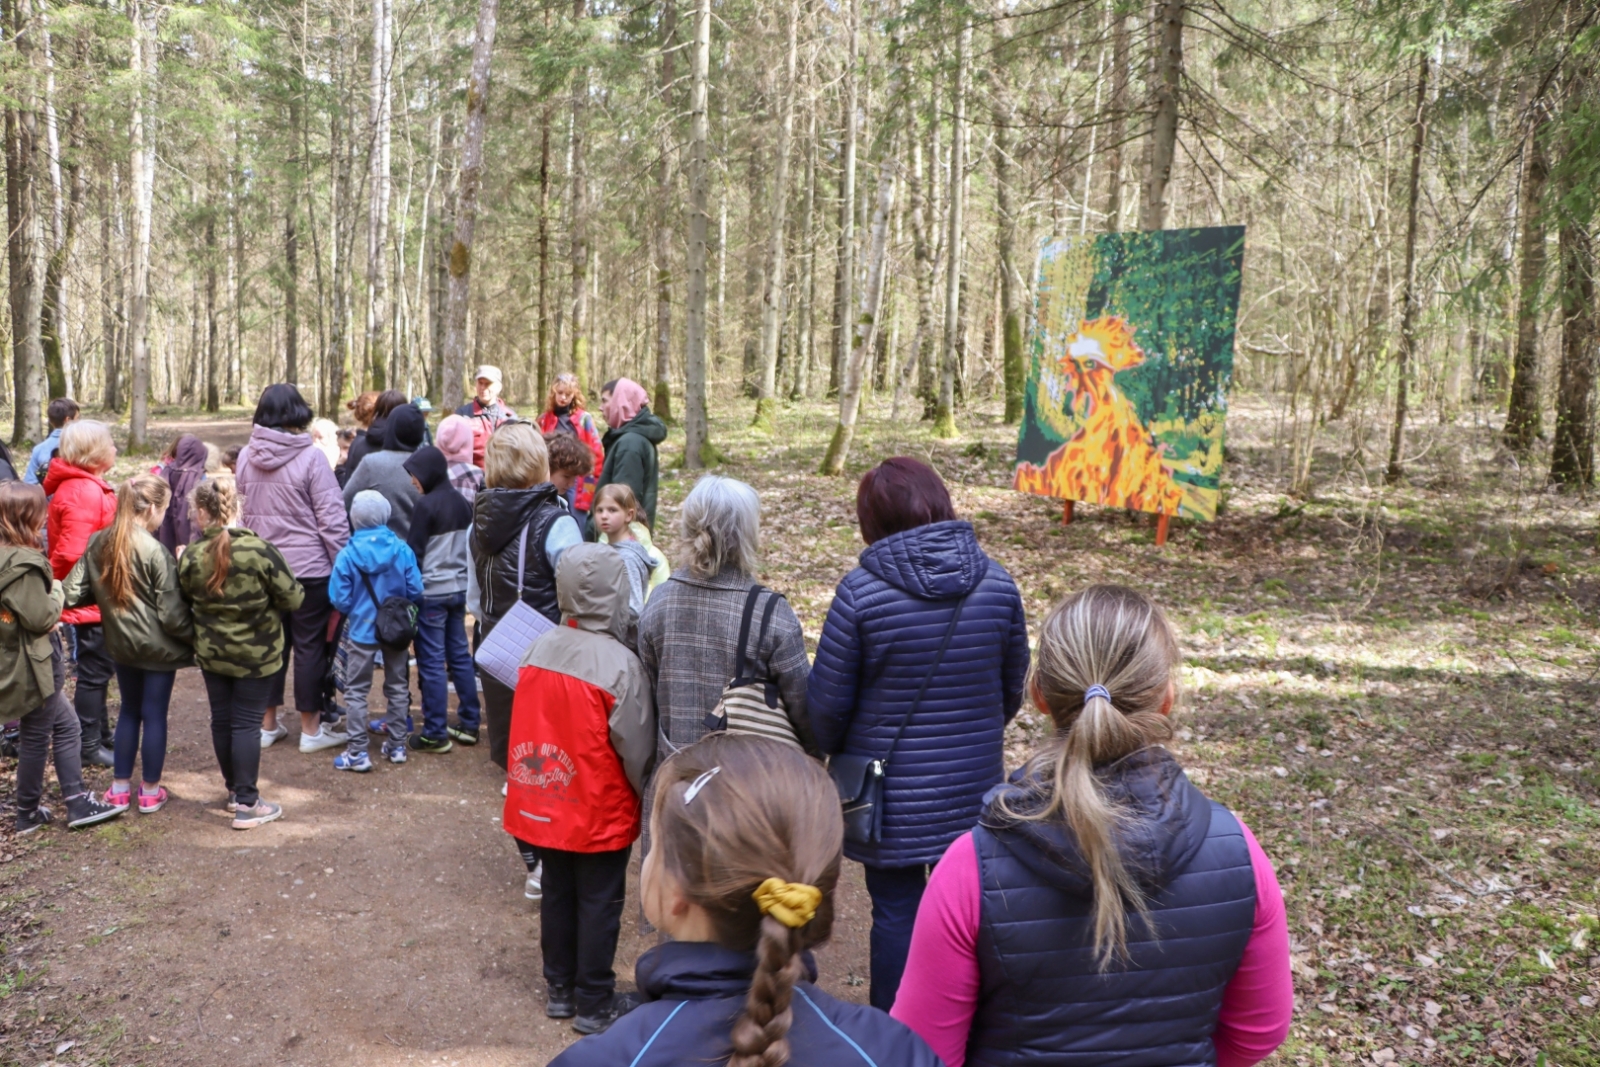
x: 1395, y: 688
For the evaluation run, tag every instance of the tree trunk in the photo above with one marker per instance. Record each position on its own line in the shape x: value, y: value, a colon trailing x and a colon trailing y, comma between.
x: 213, y: 397
x: 546, y: 356
x: 773, y: 291
x: 379, y: 191
x: 1164, y: 128
x: 1524, y: 414
x: 1572, y: 454
x: 805, y: 332
x: 667, y: 146
x: 1408, y: 310
x: 141, y: 172
x: 922, y: 274
x: 66, y: 191
x: 1117, y: 133
x: 944, y: 419
x: 845, y: 271
x: 455, y: 338
x: 1013, y: 371
x: 698, y: 450
x: 25, y: 239
x: 578, y: 180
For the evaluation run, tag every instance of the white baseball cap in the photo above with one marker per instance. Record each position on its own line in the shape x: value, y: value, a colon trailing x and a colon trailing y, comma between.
x: 489, y: 372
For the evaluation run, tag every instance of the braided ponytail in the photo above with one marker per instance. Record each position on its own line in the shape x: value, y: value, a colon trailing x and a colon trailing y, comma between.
x: 216, y: 500
x: 761, y: 1034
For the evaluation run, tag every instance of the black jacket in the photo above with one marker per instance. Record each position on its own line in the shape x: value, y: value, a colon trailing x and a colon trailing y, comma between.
x: 441, y: 521
x: 631, y: 459
x: 693, y: 993
x: 498, y: 517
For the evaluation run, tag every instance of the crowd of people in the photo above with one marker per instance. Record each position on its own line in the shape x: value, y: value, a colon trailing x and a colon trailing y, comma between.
x: 1091, y: 905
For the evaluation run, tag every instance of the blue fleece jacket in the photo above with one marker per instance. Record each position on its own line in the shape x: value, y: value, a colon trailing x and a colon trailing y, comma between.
x: 388, y: 563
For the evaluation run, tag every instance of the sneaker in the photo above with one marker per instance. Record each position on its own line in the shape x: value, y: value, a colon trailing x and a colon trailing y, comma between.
x: 274, y: 735
x: 558, y: 1003
x: 505, y: 787
x: 394, y: 751
x: 150, y: 803
x: 424, y: 743
x: 263, y: 812
x: 534, y: 890
x: 121, y: 799
x: 233, y: 803
x: 600, y: 1021
x: 359, y: 762
x: 324, y: 738
x: 85, y: 810
x: 29, y: 821
x: 462, y: 735
x: 99, y: 757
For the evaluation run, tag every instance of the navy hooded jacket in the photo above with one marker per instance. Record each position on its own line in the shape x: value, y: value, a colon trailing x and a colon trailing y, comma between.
x: 882, y: 634
x: 694, y: 991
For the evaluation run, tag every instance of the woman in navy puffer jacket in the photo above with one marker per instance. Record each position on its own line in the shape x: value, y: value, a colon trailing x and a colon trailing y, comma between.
x: 880, y: 641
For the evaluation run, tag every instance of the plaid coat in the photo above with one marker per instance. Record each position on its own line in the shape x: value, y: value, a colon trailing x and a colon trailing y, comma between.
x: 688, y: 639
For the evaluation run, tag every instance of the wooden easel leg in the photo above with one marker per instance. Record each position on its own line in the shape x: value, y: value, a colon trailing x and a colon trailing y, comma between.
x: 1066, y: 512
x: 1161, y: 528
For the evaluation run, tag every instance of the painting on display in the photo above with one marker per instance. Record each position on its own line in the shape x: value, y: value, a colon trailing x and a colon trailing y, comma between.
x: 1132, y: 356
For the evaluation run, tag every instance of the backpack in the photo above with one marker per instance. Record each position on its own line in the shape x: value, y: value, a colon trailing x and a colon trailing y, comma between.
x: 752, y: 704
x: 396, y: 623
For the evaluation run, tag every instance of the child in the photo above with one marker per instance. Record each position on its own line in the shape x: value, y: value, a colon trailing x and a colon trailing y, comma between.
x: 372, y: 567
x: 62, y: 411
x: 230, y: 458
x: 454, y: 439
x: 32, y: 670
x: 238, y: 587
x: 82, y: 503
x: 583, y: 730
x: 570, y: 466
x: 439, y: 527
x: 746, y: 847
x: 616, y: 513
x: 148, y: 629
x: 564, y: 416
x: 1103, y: 908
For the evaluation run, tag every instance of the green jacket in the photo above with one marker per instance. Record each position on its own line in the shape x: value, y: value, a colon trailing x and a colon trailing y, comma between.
x: 155, y: 631
x: 30, y: 607
x: 240, y: 632
x: 631, y: 459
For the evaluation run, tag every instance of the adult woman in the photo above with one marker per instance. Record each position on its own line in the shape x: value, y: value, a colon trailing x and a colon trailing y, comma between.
x: 385, y: 470
x: 889, y: 619
x: 632, y: 436
x: 363, y: 409
x: 292, y: 501
x: 187, y: 469
x: 1099, y: 823
x: 689, y: 634
x: 564, y: 413
x: 377, y: 431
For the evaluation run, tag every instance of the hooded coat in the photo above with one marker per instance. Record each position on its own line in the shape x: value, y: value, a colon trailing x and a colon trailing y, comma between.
x: 583, y: 722
x: 30, y: 607
x: 188, y: 469
x: 81, y: 503
x: 155, y: 631
x: 631, y: 459
x: 694, y: 991
x: 440, y: 524
x: 291, y: 499
x: 385, y: 471
x: 388, y: 564
x: 887, y: 622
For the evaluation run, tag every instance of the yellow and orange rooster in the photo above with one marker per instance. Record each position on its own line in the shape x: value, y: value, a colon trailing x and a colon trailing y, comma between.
x: 1112, y: 459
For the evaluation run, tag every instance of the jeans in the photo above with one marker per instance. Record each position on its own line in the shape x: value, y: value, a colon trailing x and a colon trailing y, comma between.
x: 237, y: 705
x: 305, y: 630
x: 361, y: 661
x: 896, y: 892
x: 145, y: 697
x: 442, y: 650
x: 579, y: 920
x: 94, y: 674
x: 52, y: 725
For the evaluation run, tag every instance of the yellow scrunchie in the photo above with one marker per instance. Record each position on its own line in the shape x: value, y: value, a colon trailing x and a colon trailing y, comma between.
x: 792, y: 903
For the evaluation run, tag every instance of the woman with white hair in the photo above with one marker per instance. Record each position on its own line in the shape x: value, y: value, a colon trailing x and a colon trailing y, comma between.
x: 689, y: 633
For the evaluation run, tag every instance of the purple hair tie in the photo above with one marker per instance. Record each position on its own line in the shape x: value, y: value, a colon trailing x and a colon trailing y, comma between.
x: 1096, y: 691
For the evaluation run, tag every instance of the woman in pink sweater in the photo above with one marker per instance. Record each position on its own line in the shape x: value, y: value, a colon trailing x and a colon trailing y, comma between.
x: 1103, y: 910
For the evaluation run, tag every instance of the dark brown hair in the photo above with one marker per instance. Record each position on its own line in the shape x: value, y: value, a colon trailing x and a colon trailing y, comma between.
x: 568, y: 455
x: 387, y: 401
x: 768, y: 811
x: 900, y: 494
x: 60, y: 410
x: 22, y: 512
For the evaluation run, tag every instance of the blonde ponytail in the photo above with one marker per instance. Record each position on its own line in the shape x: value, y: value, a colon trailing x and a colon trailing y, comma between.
x: 1106, y: 674
x: 136, y: 498
x: 216, y: 500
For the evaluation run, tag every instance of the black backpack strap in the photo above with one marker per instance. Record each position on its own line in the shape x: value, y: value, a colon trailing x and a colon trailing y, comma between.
x: 944, y: 646
x: 373, y: 593
x: 744, y: 629
x: 761, y: 639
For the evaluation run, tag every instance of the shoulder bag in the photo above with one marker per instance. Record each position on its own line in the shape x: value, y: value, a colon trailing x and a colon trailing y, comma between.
x: 859, y: 779
x: 750, y: 703
x: 397, y: 617
x: 501, y: 654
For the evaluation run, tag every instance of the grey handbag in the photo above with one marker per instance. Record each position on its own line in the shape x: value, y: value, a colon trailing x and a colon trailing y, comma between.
x: 502, y: 652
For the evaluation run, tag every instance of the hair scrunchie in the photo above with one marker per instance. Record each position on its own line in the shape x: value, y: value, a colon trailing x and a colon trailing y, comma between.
x: 792, y: 903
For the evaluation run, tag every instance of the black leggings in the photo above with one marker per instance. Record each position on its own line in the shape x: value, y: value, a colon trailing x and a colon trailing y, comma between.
x: 236, y: 708
x: 305, y: 630
x: 95, y: 669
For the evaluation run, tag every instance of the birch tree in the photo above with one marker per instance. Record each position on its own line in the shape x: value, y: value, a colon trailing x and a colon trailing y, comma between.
x: 777, y: 220
x: 697, y: 442
x: 141, y: 174
x: 944, y: 419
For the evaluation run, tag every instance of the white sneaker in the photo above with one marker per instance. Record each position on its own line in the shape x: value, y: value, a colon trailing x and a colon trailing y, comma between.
x: 505, y: 787
x: 325, y: 738
x: 269, y: 737
x: 534, y: 890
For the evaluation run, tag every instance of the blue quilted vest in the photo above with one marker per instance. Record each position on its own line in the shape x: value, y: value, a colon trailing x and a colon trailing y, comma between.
x: 1042, y: 997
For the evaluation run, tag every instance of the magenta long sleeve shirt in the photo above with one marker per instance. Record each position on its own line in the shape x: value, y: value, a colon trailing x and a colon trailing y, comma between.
x: 939, y: 993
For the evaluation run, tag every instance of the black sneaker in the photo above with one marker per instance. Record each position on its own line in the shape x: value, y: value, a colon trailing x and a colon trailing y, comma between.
x: 558, y: 1003
x: 424, y: 743
x: 86, y: 809
x: 462, y: 735
x: 621, y: 1004
x: 99, y: 757
x: 29, y: 821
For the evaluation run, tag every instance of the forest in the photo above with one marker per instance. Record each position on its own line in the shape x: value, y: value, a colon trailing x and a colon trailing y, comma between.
x: 759, y: 201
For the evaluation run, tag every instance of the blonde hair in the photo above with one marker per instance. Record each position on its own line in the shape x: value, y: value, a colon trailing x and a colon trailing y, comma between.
x: 217, y: 499
x: 719, y: 525
x: 1113, y: 637
x: 767, y: 811
x: 88, y: 444
x: 619, y: 494
x: 577, y: 393
x: 516, y: 457
x: 137, y: 497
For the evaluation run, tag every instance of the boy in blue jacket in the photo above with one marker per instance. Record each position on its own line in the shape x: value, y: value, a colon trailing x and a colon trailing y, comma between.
x: 373, y: 566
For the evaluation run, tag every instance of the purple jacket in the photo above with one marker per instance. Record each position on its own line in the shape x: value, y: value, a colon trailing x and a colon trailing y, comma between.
x: 292, y: 500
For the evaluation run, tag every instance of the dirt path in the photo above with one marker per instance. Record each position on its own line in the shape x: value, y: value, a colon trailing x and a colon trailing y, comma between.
x: 381, y: 921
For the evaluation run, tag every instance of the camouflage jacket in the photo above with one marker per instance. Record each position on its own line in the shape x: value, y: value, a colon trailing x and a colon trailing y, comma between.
x: 240, y: 632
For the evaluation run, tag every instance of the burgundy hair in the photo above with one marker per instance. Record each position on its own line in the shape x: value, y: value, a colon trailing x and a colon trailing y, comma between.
x: 900, y: 494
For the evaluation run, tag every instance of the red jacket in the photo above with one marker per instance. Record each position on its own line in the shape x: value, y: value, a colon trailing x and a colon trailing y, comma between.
x: 81, y: 503
x: 583, y: 725
x: 583, y: 422
x: 485, y: 420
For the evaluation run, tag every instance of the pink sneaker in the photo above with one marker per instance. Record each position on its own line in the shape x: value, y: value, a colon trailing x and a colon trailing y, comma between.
x: 150, y: 803
x: 120, y: 801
